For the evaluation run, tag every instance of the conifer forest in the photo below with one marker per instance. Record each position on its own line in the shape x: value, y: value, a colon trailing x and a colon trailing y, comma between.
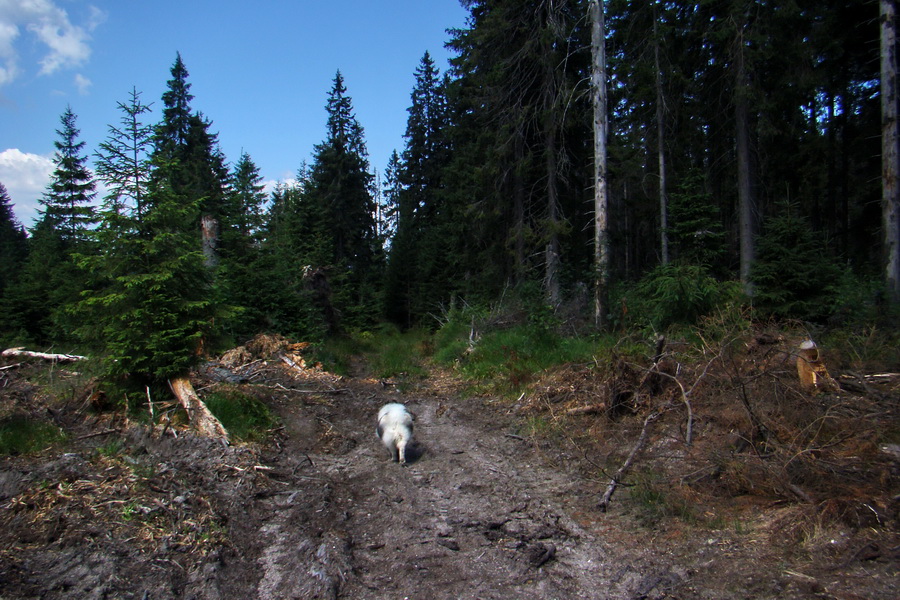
x: 743, y: 163
x: 635, y: 271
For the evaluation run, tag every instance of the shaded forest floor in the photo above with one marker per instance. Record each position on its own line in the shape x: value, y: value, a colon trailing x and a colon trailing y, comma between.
x: 499, y: 500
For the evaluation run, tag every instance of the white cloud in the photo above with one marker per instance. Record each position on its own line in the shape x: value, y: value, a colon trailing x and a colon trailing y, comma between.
x: 68, y: 45
x: 269, y: 185
x: 25, y: 177
x: 83, y: 84
x: 8, y: 34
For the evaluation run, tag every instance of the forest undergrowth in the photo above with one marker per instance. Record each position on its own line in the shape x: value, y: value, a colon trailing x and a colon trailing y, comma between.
x: 733, y: 437
x: 705, y: 427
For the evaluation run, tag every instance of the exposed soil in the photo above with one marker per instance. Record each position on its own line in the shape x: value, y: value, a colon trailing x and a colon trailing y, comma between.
x: 485, y: 509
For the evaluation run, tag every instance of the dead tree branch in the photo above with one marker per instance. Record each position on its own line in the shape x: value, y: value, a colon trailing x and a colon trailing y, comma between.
x: 685, y: 397
x: 626, y: 466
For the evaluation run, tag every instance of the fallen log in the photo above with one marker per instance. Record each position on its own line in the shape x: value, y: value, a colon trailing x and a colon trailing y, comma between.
x: 201, y: 418
x: 22, y: 352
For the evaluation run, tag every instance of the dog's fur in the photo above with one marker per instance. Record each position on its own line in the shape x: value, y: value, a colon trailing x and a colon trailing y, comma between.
x: 395, y: 429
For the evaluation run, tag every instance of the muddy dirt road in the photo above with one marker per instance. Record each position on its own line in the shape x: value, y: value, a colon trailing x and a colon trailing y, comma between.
x: 472, y: 516
x: 481, y: 512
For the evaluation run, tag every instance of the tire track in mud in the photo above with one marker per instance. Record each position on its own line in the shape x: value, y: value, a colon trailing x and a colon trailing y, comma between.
x: 474, y: 514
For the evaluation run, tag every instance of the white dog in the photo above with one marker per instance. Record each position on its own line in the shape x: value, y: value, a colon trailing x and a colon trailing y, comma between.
x: 395, y: 428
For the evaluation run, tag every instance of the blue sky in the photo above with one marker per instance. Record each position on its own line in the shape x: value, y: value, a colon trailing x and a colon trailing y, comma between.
x: 260, y: 70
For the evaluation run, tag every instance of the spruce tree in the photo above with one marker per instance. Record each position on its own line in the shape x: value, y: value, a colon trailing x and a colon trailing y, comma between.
x: 520, y: 143
x: 123, y: 158
x: 296, y: 244
x: 188, y: 158
x: 417, y: 266
x: 13, y: 249
x: 123, y: 165
x: 153, y: 315
x: 402, y: 271
x: 341, y: 195
x: 246, y: 200
x: 67, y: 201
x: 390, y: 197
x: 150, y: 309
x: 794, y: 273
x: 172, y: 132
x: 696, y: 231
x: 51, y: 283
x: 13, y: 245
x: 240, y: 277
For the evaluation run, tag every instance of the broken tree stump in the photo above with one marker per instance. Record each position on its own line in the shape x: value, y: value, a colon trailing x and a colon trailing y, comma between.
x: 811, y: 370
x: 201, y: 418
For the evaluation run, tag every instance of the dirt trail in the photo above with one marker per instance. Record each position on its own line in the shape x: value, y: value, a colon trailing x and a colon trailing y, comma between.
x: 476, y: 513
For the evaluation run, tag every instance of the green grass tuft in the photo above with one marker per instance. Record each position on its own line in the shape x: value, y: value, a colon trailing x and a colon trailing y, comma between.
x: 394, y: 354
x: 246, y: 418
x: 20, y: 434
x: 514, y: 357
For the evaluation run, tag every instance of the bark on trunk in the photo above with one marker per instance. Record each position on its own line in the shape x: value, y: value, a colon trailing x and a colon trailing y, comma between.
x: 748, y: 208
x: 890, y: 151
x: 209, y: 227
x: 660, y: 147
x: 601, y: 201
x: 551, y: 267
x: 518, y: 210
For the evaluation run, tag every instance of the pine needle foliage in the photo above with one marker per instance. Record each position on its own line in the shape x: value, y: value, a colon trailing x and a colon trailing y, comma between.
x: 695, y: 229
x: 794, y: 275
x: 675, y: 294
x: 153, y: 307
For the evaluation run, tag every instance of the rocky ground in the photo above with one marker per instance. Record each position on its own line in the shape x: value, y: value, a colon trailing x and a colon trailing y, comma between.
x: 485, y: 509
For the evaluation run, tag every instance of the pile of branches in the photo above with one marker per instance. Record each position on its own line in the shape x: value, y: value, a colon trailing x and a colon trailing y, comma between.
x: 733, y: 418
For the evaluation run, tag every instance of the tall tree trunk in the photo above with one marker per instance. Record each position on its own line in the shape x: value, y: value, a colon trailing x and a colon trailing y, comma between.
x: 209, y: 232
x: 660, y: 147
x: 601, y: 200
x: 747, y: 203
x: 551, y: 266
x: 551, y: 124
x: 518, y: 210
x: 890, y: 152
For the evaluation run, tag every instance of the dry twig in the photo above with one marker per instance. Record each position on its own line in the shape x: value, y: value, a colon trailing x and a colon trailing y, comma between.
x: 626, y: 466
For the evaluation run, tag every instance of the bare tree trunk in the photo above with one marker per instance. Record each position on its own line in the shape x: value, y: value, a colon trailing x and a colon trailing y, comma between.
x: 890, y: 151
x: 518, y: 211
x: 660, y: 147
x: 551, y: 267
x: 748, y: 209
x: 601, y: 125
x: 550, y: 90
x: 209, y: 228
